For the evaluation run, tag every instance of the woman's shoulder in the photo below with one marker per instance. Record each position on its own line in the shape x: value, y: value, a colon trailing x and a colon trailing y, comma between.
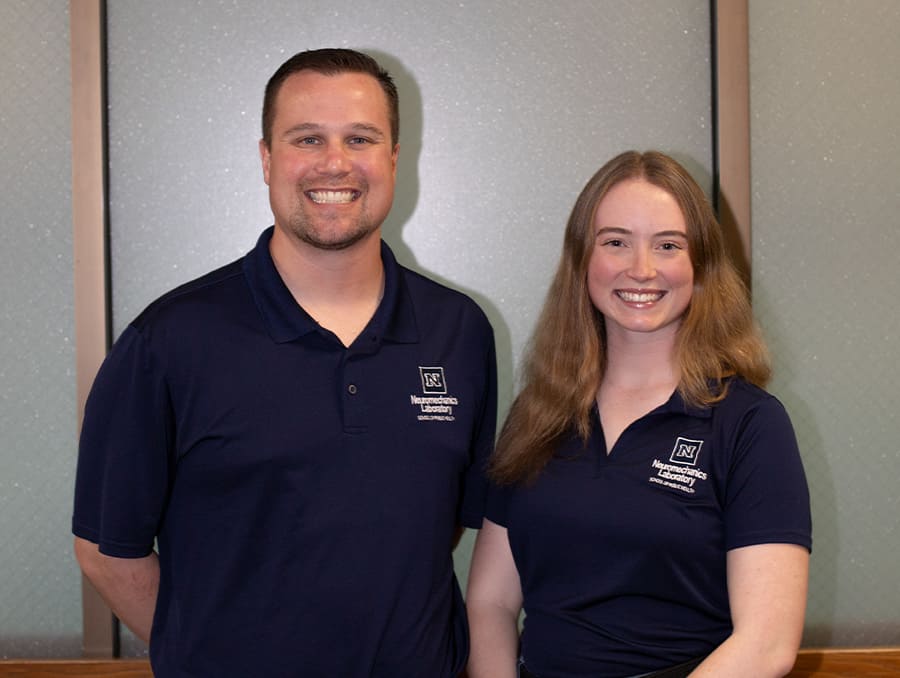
x: 743, y: 397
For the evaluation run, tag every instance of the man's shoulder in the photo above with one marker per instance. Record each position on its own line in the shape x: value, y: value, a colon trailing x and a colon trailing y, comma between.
x: 214, y: 290
x: 438, y: 295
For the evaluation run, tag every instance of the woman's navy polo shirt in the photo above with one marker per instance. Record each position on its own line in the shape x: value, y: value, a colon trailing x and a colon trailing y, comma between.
x: 622, y: 557
x: 303, y: 495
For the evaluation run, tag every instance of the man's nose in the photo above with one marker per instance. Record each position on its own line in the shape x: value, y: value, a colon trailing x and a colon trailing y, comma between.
x: 335, y: 159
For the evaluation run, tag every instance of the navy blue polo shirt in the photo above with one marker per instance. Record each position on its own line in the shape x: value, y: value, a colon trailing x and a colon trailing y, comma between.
x: 303, y: 495
x: 622, y: 557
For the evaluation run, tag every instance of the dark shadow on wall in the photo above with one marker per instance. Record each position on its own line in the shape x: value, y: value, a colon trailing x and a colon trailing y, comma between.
x: 733, y: 243
x: 405, y: 201
x: 730, y: 233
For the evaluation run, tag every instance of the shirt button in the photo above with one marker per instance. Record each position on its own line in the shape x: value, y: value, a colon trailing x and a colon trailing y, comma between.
x: 351, y: 389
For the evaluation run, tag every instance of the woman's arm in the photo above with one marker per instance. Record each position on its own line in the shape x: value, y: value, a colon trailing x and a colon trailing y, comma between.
x: 767, y: 593
x: 493, y: 601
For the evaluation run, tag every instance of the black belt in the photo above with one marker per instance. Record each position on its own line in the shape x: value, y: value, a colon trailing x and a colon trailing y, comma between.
x: 679, y: 671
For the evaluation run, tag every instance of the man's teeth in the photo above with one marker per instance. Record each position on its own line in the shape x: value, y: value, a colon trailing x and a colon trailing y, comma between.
x: 640, y: 297
x: 332, y: 197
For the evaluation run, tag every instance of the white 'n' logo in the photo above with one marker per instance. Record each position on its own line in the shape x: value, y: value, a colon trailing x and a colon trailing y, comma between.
x: 686, y: 451
x: 433, y: 380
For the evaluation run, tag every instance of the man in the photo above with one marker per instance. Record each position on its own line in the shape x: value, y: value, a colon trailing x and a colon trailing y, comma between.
x: 301, y: 432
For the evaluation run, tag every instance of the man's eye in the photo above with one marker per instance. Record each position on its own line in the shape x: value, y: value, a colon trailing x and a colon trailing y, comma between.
x: 359, y: 140
x: 306, y: 141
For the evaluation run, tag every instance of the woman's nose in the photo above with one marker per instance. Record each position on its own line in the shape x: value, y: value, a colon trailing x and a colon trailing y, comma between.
x: 641, y: 267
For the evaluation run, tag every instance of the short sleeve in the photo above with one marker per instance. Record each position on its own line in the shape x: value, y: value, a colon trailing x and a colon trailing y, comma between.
x: 475, y: 481
x: 123, y: 458
x: 767, y: 498
x: 497, y: 505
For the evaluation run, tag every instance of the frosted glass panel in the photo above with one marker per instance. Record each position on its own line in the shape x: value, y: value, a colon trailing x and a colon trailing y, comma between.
x: 40, y: 586
x: 826, y: 162
x: 507, y: 108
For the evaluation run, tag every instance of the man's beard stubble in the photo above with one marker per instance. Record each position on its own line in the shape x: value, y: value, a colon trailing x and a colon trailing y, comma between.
x: 304, y: 227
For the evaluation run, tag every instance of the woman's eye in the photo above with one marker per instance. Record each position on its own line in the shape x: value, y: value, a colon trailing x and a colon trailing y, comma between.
x: 613, y: 242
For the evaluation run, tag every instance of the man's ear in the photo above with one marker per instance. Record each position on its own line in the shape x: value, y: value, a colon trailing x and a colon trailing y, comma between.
x: 265, y: 155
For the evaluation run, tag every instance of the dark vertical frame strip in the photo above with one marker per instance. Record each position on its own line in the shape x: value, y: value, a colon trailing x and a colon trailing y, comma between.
x: 731, y: 126
x: 89, y: 223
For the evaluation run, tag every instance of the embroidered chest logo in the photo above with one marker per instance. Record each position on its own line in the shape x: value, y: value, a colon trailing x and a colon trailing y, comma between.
x: 435, y: 403
x: 433, y: 380
x: 686, y: 451
x: 680, y: 472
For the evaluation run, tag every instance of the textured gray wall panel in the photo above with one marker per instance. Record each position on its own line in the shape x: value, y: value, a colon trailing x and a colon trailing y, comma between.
x: 40, y: 587
x: 507, y: 108
x: 826, y: 162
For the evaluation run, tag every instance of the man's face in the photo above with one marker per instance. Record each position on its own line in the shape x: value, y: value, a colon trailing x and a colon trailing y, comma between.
x: 331, y: 166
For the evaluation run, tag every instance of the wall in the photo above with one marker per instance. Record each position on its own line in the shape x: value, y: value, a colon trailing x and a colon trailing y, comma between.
x: 826, y: 162
x: 40, y: 588
x: 507, y: 108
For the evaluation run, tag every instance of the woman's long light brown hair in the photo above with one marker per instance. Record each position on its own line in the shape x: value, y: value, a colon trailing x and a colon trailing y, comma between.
x: 566, y: 358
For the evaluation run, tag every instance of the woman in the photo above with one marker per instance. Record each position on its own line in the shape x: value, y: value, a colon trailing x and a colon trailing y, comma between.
x: 649, y: 509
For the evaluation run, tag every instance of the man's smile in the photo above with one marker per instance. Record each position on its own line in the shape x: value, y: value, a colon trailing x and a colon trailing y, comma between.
x: 324, y: 197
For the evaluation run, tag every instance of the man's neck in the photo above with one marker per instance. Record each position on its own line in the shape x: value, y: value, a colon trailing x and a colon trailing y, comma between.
x: 340, y: 289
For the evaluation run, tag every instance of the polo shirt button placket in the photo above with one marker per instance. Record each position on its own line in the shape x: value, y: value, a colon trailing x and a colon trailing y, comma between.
x: 354, y: 402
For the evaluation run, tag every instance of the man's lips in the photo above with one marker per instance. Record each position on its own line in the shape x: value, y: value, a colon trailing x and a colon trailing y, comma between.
x: 332, y: 197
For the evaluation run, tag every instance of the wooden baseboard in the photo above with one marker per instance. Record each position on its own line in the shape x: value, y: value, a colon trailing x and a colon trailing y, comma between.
x: 79, y: 668
x: 876, y: 662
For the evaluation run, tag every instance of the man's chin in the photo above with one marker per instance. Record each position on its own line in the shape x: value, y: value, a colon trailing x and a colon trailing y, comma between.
x: 338, y: 242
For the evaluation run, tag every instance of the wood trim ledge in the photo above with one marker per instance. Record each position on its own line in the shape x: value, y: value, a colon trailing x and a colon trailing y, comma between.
x: 89, y: 244
x: 875, y: 662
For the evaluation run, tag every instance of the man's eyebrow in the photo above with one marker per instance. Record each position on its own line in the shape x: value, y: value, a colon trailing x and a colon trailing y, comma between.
x: 366, y: 127
x: 300, y: 127
x: 356, y: 127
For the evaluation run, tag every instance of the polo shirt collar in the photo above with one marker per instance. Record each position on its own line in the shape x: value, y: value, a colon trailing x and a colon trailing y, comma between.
x: 676, y: 405
x: 286, y: 320
x: 395, y: 314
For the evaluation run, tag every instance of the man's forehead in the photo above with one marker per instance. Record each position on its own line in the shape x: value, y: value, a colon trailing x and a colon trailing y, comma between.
x: 309, y: 78
x: 351, y: 88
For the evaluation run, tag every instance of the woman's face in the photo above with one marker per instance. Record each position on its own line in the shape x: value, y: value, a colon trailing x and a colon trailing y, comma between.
x: 640, y: 275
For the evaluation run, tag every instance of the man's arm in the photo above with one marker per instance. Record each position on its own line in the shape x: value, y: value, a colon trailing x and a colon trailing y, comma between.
x: 128, y: 585
x: 767, y: 591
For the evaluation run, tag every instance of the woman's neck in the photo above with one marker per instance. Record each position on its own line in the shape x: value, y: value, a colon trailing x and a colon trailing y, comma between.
x: 635, y: 361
